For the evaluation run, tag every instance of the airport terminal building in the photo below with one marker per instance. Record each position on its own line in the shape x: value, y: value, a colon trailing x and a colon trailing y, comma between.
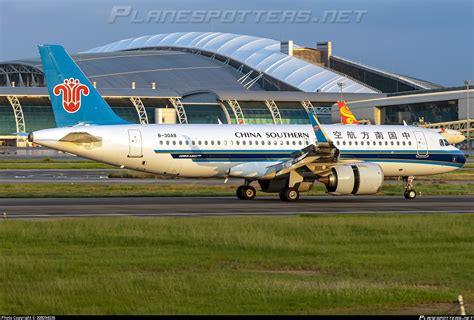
x: 211, y: 77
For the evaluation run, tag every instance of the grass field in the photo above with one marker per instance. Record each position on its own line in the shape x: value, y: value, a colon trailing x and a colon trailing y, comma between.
x: 48, y: 163
x: 70, y: 190
x: 335, y: 264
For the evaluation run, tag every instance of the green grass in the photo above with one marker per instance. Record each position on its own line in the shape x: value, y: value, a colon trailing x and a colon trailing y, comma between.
x: 253, y: 265
x: 48, y: 163
x: 71, y: 190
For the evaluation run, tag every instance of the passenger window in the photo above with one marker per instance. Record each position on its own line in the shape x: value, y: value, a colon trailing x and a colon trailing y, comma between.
x: 343, y: 142
x: 167, y: 142
x: 180, y: 142
x: 256, y: 142
x: 391, y: 142
x: 275, y: 142
x: 380, y: 143
x: 300, y: 142
x: 193, y: 143
x: 287, y: 142
x: 403, y: 142
x: 161, y: 142
x: 374, y: 143
x: 243, y: 142
x: 187, y: 142
x: 409, y: 143
x: 355, y: 142
x: 218, y: 142
x: 237, y: 142
x: 386, y: 143
x: 199, y: 142
x: 174, y: 143
x: 398, y: 143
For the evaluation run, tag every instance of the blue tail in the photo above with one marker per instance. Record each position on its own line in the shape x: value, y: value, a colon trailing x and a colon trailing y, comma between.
x: 73, y: 98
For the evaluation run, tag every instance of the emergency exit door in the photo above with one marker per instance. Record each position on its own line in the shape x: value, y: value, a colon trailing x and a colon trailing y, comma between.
x: 135, y: 143
x: 421, y: 145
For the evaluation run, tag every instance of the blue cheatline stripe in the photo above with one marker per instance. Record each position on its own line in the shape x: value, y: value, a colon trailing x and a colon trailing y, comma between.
x: 405, y: 156
x: 290, y: 151
x: 225, y: 151
x: 436, y: 163
x: 436, y: 157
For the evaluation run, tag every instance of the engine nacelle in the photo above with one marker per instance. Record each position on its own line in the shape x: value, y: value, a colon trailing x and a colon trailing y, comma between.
x: 360, y: 178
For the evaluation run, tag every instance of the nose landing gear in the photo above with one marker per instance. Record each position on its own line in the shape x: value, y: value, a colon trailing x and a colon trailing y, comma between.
x: 409, y: 193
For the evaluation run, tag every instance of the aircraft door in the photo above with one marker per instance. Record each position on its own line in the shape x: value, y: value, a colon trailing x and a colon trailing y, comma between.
x: 135, y: 143
x: 421, y: 145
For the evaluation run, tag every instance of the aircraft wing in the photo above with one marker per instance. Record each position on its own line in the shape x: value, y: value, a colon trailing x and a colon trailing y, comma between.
x: 318, y: 159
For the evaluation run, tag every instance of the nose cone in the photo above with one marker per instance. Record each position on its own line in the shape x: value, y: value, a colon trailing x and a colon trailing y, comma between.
x: 460, y: 158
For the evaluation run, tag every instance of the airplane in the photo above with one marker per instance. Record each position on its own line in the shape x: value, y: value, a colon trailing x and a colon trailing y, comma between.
x: 347, y: 117
x: 283, y: 159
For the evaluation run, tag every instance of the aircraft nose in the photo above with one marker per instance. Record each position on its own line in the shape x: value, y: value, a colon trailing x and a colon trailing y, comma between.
x: 460, y: 158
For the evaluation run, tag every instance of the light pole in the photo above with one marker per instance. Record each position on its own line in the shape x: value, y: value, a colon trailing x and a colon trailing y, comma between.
x: 340, y: 84
x: 467, y: 83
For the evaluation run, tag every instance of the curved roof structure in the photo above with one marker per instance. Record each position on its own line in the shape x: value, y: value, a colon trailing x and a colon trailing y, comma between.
x: 260, y: 54
x: 171, y: 70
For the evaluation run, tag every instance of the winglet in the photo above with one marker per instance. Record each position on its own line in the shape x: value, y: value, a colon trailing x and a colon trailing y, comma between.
x: 321, y: 135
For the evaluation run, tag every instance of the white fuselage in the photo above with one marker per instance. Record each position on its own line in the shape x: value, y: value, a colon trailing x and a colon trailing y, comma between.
x: 211, y: 150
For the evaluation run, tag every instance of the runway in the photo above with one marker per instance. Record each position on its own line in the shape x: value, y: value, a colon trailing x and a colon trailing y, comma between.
x: 229, y: 206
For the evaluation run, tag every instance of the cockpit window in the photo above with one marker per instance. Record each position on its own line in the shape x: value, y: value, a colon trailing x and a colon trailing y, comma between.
x: 446, y: 143
x: 441, y: 142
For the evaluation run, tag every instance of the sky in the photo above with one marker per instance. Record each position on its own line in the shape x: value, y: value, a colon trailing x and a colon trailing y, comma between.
x: 428, y: 39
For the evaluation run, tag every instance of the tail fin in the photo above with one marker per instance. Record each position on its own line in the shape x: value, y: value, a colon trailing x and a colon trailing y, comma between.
x: 73, y: 98
x: 346, y: 115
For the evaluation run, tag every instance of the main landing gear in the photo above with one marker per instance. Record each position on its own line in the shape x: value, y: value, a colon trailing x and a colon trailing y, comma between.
x: 289, y: 194
x: 409, y: 193
x: 246, y: 192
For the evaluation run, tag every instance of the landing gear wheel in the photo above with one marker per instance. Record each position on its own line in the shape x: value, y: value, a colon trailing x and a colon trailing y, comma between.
x: 240, y: 192
x: 246, y: 193
x: 290, y: 194
x: 410, y: 194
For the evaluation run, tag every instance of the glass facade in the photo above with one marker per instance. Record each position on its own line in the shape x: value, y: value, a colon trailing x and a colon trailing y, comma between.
x: 7, y: 118
x: 438, y: 111
x: 38, y: 114
x: 256, y: 112
x: 292, y: 113
x: 198, y: 113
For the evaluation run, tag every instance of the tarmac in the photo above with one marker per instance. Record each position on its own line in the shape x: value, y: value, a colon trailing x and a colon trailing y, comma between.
x: 33, y: 208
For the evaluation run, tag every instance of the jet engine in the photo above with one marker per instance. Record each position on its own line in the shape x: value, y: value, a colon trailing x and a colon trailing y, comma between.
x: 358, y: 179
